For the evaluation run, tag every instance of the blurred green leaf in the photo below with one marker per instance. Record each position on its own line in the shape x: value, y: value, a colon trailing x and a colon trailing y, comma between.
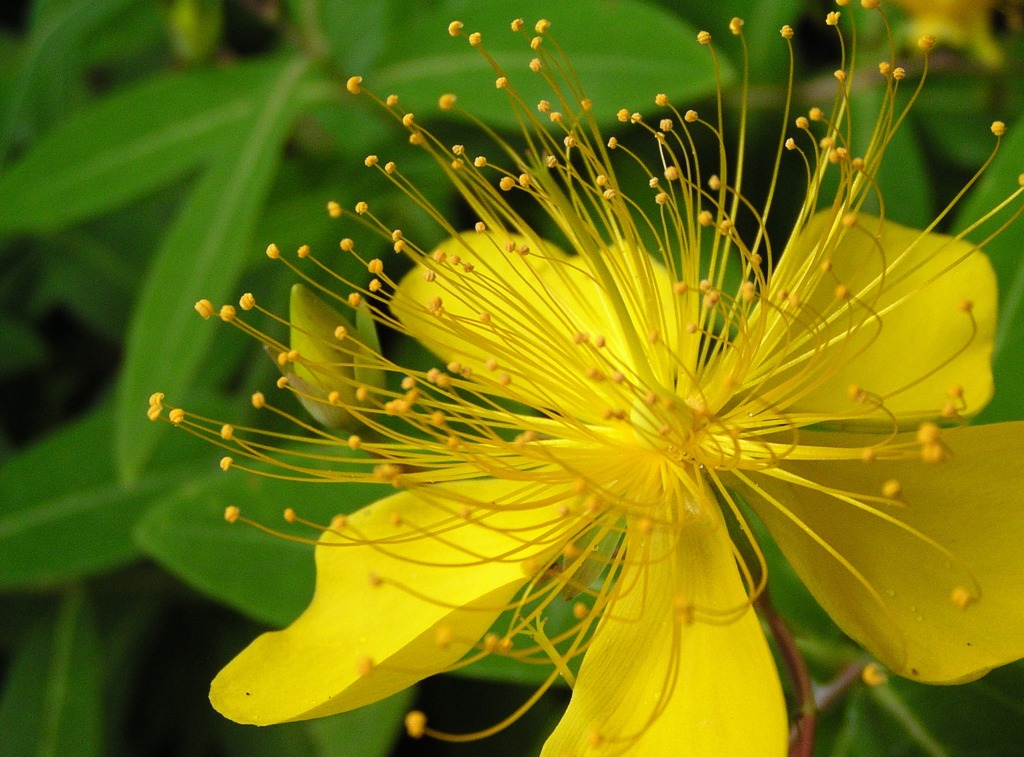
x: 607, y: 44
x: 49, y: 61
x: 368, y: 732
x: 202, y: 256
x: 903, y: 180
x: 63, y: 514
x: 998, y: 183
x: 52, y: 700
x: 132, y: 143
x: 907, y: 719
x: 20, y: 346
x: 267, y: 578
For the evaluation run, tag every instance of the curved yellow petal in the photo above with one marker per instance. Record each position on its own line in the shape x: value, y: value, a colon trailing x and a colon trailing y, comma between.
x: 930, y: 583
x: 540, y: 318
x: 659, y: 681
x: 923, y: 344
x: 403, y: 591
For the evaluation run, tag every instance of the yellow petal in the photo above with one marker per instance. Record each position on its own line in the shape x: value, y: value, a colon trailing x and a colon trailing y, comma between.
x: 714, y: 682
x: 388, y: 614
x: 930, y: 584
x: 924, y: 343
x: 541, y: 317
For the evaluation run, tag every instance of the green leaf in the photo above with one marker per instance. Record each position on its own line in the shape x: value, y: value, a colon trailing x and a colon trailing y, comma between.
x: 985, y: 717
x: 132, y: 143
x: 202, y: 256
x: 21, y: 347
x: 52, y: 701
x: 265, y: 577
x: 998, y: 183
x: 609, y: 46
x: 369, y: 731
x: 63, y: 513
x: 49, y: 61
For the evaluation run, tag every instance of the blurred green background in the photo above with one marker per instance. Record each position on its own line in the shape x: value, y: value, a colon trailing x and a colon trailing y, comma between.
x: 148, y: 153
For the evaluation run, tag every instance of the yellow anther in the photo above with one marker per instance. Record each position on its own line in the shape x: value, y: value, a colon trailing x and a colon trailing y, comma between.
x: 832, y: 19
x: 786, y: 32
x: 347, y: 244
x: 873, y: 675
x: 231, y: 512
x: 176, y: 416
x: 816, y: 114
x: 225, y: 463
x: 885, y: 68
x: 415, y: 724
x: 501, y: 82
x: 375, y: 266
x: 364, y: 666
x: 542, y: 26
x: 475, y: 39
x: 998, y: 128
x: 362, y: 207
x: 535, y: 65
x: 352, y: 85
x: 391, y: 100
x: 205, y: 308
x: 661, y: 99
x: 736, y: 25
x: 334, y: 397
x: 704, y: 38
x: 227, y: 313
x: 926, y: 42
x: 227, y: 432
x: 354, y: 442
x: 443, y: 637
x: 354, y: 298
x: 869, y: 4
x: 289, y: 515
x: 892, y: 489
x: 333, y: 209
x: 672, y: 173
x: 517, y: 24
x: 961, y: 597
x: 390, y: 167
x: 303, y: 251
x: 899, y: 73
x: 580, y: 611
x: 454, y: 28
x: 842, y: 292
x: 665, y: 125
x: 965, y: 305
x: 258, y: 400
x: 446, y: 101
x: 247, y: 301
x: 506, y: 183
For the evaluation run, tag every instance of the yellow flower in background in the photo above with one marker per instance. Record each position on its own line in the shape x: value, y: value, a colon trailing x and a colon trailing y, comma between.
x: 597, y: 403
x: 959, y: 23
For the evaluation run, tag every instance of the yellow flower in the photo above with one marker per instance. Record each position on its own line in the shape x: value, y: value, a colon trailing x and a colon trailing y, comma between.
x: 960, y: 23
x: 597, y: 405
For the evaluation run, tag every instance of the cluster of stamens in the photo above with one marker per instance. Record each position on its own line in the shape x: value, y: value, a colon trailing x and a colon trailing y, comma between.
x: 685, y: 377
